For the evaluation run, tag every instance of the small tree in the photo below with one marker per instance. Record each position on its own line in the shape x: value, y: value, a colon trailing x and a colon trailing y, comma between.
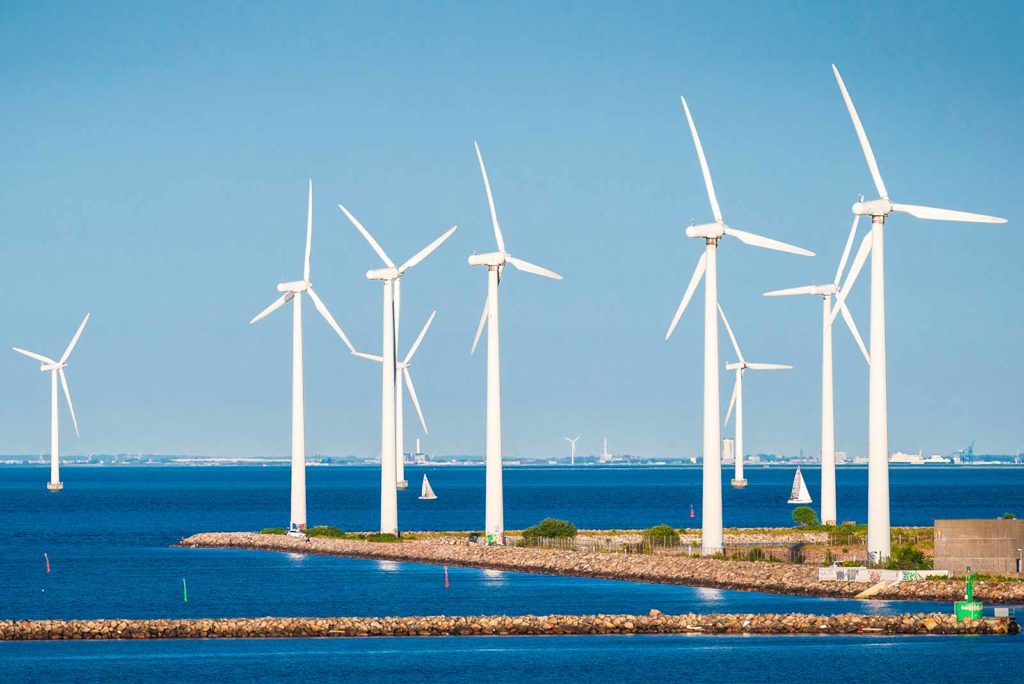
x: 552, y: 528
x: 804, y: 516
x: 661, y: 535
x: 1009, y: 516
x: 907, y: 557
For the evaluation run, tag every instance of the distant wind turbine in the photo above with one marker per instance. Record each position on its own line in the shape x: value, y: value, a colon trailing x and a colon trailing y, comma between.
x: 878, y: 542
x: 56, y: 369
x: 494, y: 516
x: 707, y: 267
x: 293, y: 291
x: 572, y: 449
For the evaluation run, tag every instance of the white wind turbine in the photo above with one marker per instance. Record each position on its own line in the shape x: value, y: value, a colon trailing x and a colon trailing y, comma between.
x: 828, y: 436
x: 494, y: 516
x: 56, y: 368
x: 572, y: 449
x: 391, y: 386
x: 878, y: 423
x: 293, y: 292
x: 707, y: 267
x: 740, y: 367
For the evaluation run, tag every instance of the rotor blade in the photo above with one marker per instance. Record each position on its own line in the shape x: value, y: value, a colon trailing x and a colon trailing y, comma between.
x: 848, y: 317
x: 768, y: 366
x: 322, y: 308
x: 415, y: 400
x: 698, y: 273
x: 732, y: 400
x: 945, y: 214
x: 74, y: 340
x: 531, y: 268
x: 419, y: 338
x: 278, y: 303
x: 728, y: 329
x: 869, y: 156
x: 851, y: 277
x: 369, y: 238
x: 422, y: 254
x: 371, y: 357
x: 490, y: 201
x: 846, y: 249
x: 32, y: 355
x: 479, y: 329
x: 767, y: 243
x: 804, y: 289
x: 309, y: 232
x: 715, y: 209
x: 67, y: 395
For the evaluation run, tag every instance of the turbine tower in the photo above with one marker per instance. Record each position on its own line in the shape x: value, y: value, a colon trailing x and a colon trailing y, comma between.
x: 737, y: 397
x: 391, y: 431
x: 572, y: 449
x: 879, y: 546
x: 829, y: 515
x: 56, y: 369
x: 293, y: 292
x: 494, y: 516
x: 707, y: 267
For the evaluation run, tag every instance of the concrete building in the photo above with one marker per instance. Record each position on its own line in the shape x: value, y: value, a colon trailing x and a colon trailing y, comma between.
x: 992, y: 546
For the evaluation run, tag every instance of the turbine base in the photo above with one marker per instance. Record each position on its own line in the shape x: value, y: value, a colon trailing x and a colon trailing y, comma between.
x: 738, y: 484
x: 55, y: 486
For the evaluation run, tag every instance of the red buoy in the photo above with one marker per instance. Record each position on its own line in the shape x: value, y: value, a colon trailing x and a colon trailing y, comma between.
x: 446, y: 577
x: 692, y: 513
x: 47, y: 563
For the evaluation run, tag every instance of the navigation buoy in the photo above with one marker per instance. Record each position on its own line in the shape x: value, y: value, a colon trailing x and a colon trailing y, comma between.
x: 47, y: 563
x: 692, y: 513
x: 184, y: 589
x: 446, y: 577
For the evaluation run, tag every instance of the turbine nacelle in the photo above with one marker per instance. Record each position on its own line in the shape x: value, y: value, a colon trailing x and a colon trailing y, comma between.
x: 294, y: 286
x: 878, y: 207
x: 488, y: 259
x: 708, y: 231
x: 56, y: 366
x: 389, y: 273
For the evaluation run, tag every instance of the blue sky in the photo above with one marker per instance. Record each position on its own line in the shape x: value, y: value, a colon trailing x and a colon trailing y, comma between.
x: 153, y: 171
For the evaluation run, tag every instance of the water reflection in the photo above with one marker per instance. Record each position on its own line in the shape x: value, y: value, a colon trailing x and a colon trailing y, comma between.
x: 387, y: 566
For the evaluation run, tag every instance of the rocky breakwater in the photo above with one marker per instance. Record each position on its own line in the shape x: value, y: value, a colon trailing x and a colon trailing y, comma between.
x: 777, y: 578
x: 480, y: 625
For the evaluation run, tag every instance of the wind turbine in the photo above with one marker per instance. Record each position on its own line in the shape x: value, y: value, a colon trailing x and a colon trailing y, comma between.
x: 879, y: 209
x: 391, y: 386
x: 707, y: 267
x: 56, y: 368
x: 737, y: 396
x: 494, y: 516
x: 293, y: 291
x: 828, y: 436
x: 572, y: 449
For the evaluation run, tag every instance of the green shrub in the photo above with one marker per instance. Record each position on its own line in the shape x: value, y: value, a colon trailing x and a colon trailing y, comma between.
x: 804, y: 516
x: 1009, y: 516
x: 272, y: 530
x: 661, y: 535
x: 907, y: 557
x: 551, y: 528
x: 382, y: 537
x: 325, y: 531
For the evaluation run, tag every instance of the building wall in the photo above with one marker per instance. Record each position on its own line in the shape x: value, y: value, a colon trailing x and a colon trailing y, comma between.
x: 992, y: 546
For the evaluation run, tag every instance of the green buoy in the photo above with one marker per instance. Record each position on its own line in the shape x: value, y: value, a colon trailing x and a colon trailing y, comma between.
x: 968, y: 608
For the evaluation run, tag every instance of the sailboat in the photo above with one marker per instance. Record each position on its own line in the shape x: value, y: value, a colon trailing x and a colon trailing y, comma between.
x: 799, y: 494
x: 427, y: 493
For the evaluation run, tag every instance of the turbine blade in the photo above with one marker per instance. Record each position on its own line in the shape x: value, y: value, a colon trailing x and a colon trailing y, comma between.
x: 369, y: 238
x: 847, y: 248
x: 851, y: 277
x: 479, y: 329
x: 67, y: 395
x: 422, y: 254
x: 419, y: 338
x: 945, y: 214
x: 74, y: 340
x: 732, y: 400
x: 768, y: 366
x: 698, y: 273
x: 715, y: 209
x: 490, y: 201
x: 278, y: 303
x: 415, y: 400
x: 848, y: 317
x: 767, y: 243
x: 322, y: 308
x: 309, y: 232
x: 869, y: 156
x: 531, y: 268
x: 372, y: 357
x: 732, y: 338
x: 802, y: 290
x: 32, y: 355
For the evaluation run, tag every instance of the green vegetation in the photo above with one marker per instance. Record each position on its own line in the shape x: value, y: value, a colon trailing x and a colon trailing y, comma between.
x: 804, y: 516
x: 272, y: 530
x: 907, y: 557
x: 1009, y: 516
x: 985, y: 577
x: 325, y: 531
x: 382, y: 537
x: 661, y: 535
x: 551, y: 528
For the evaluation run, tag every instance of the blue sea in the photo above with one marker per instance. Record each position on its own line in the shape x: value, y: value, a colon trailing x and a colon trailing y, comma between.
x: 108, y: 537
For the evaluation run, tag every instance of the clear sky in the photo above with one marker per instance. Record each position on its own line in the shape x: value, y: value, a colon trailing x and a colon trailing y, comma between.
x: 153, y: 166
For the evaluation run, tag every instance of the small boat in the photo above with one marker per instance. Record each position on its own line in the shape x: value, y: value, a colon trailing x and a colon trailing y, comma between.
x: 426, y: 492
x: 799, y: 494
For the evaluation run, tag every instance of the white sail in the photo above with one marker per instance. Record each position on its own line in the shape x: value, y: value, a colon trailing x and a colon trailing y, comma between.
x: 426, y: 492
x: 799, y: 494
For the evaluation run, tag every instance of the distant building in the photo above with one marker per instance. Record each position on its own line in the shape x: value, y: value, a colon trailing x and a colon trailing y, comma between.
x: 993, y: 546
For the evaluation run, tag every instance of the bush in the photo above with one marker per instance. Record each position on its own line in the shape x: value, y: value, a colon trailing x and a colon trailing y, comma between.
x: 661, y: 535
x: 1009, y: 516
x: 383, y: 537
x: 325, y: 531
x: 272, y: 530
x: 804, y: 516
x: 907, y: 557
x: 551, y: 528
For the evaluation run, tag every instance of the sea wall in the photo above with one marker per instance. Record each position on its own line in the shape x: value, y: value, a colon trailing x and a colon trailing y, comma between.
x: 440, y: 625
x: 778, y: 578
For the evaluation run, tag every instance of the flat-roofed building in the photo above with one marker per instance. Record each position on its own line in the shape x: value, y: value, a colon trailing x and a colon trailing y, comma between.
x: 991, y: 546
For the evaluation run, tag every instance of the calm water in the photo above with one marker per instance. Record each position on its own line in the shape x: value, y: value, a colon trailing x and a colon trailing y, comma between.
x: 108, y: 534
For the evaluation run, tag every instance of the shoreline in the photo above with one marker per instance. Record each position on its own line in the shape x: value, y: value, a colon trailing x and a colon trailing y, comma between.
x: 773, y: 578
